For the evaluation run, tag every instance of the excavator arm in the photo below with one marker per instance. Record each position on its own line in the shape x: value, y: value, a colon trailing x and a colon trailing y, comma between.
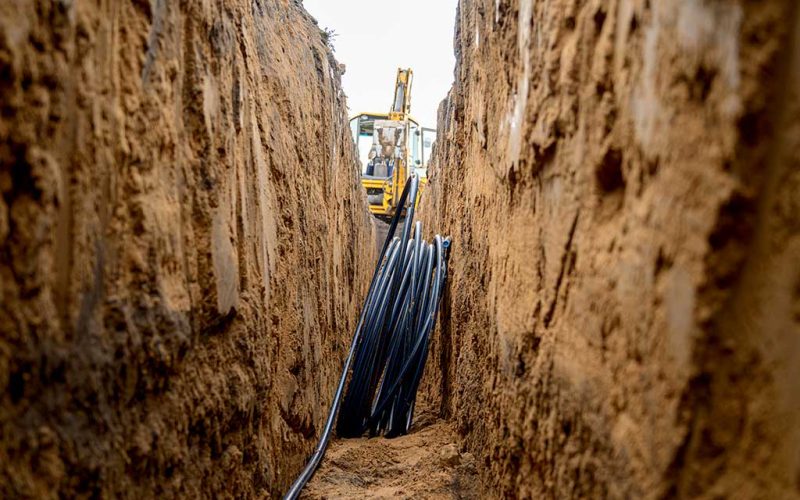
x: 401, y: 106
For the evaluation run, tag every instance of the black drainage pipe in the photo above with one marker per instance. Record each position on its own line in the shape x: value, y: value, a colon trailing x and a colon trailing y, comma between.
x: 390, y: 343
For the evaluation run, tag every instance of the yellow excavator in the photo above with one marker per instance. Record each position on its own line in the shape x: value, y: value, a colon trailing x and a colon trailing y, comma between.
x: 388, y: 146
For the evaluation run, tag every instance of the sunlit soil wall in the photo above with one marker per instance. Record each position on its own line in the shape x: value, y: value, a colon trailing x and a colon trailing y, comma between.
x: 183, y: 246
x: 622, y: 183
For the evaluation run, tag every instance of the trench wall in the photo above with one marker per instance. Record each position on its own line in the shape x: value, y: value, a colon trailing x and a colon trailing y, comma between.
x: 621, y: 179
x: 183, y: 246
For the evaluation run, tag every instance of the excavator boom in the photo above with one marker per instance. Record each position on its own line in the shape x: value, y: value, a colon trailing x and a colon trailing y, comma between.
x: 401, y: 106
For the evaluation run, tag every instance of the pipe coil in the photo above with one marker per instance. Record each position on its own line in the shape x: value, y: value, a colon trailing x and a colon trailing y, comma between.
x: 390, y: 342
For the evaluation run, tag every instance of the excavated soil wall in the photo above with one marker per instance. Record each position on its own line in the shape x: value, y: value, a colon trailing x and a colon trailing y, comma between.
x: 621, y: 179
x: 183, y: 246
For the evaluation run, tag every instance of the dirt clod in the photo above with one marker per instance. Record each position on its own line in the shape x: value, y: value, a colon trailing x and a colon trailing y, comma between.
x: 449, y: 454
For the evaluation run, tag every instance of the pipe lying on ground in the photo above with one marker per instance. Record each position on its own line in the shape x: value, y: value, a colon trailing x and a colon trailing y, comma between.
x: 390, y: 343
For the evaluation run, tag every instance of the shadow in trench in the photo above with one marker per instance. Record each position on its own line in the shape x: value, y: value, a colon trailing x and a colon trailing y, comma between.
x: 381, y: 230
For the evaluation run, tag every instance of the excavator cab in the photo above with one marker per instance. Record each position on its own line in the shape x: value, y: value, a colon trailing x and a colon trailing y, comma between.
x: 385, y: 148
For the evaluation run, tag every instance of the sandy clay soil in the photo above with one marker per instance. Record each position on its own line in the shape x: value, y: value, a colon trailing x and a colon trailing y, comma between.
x: 426, y: 463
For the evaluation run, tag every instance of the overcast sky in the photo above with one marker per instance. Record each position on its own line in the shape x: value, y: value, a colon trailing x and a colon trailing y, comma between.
x: 375, y: 37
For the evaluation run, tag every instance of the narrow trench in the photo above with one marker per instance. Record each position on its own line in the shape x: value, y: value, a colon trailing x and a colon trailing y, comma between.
x: 194, y: 197
x: 427, y: 459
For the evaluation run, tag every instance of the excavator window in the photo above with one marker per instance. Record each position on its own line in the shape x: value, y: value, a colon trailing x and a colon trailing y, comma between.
x: 362, y: 128
x: 428, y: 137
x: 416, y: 150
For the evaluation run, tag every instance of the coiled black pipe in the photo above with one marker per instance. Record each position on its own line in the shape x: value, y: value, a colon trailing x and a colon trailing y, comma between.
x: 390, y: 343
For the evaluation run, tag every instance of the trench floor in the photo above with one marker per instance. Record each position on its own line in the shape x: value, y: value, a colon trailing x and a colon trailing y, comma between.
x: 426, y: 463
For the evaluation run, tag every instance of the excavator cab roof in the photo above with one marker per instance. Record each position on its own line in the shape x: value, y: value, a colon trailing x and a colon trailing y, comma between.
x: 379, y: 116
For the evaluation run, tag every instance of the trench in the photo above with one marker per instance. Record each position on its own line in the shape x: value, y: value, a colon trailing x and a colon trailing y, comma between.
x: 186, y: 246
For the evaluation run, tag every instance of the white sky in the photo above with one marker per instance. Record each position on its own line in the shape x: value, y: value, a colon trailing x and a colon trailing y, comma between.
x: 375, y: 37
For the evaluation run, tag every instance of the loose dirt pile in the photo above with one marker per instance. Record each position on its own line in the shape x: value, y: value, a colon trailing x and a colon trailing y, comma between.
x: 622, y: 183
x: 426, y: 463
x: 183, y: 246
